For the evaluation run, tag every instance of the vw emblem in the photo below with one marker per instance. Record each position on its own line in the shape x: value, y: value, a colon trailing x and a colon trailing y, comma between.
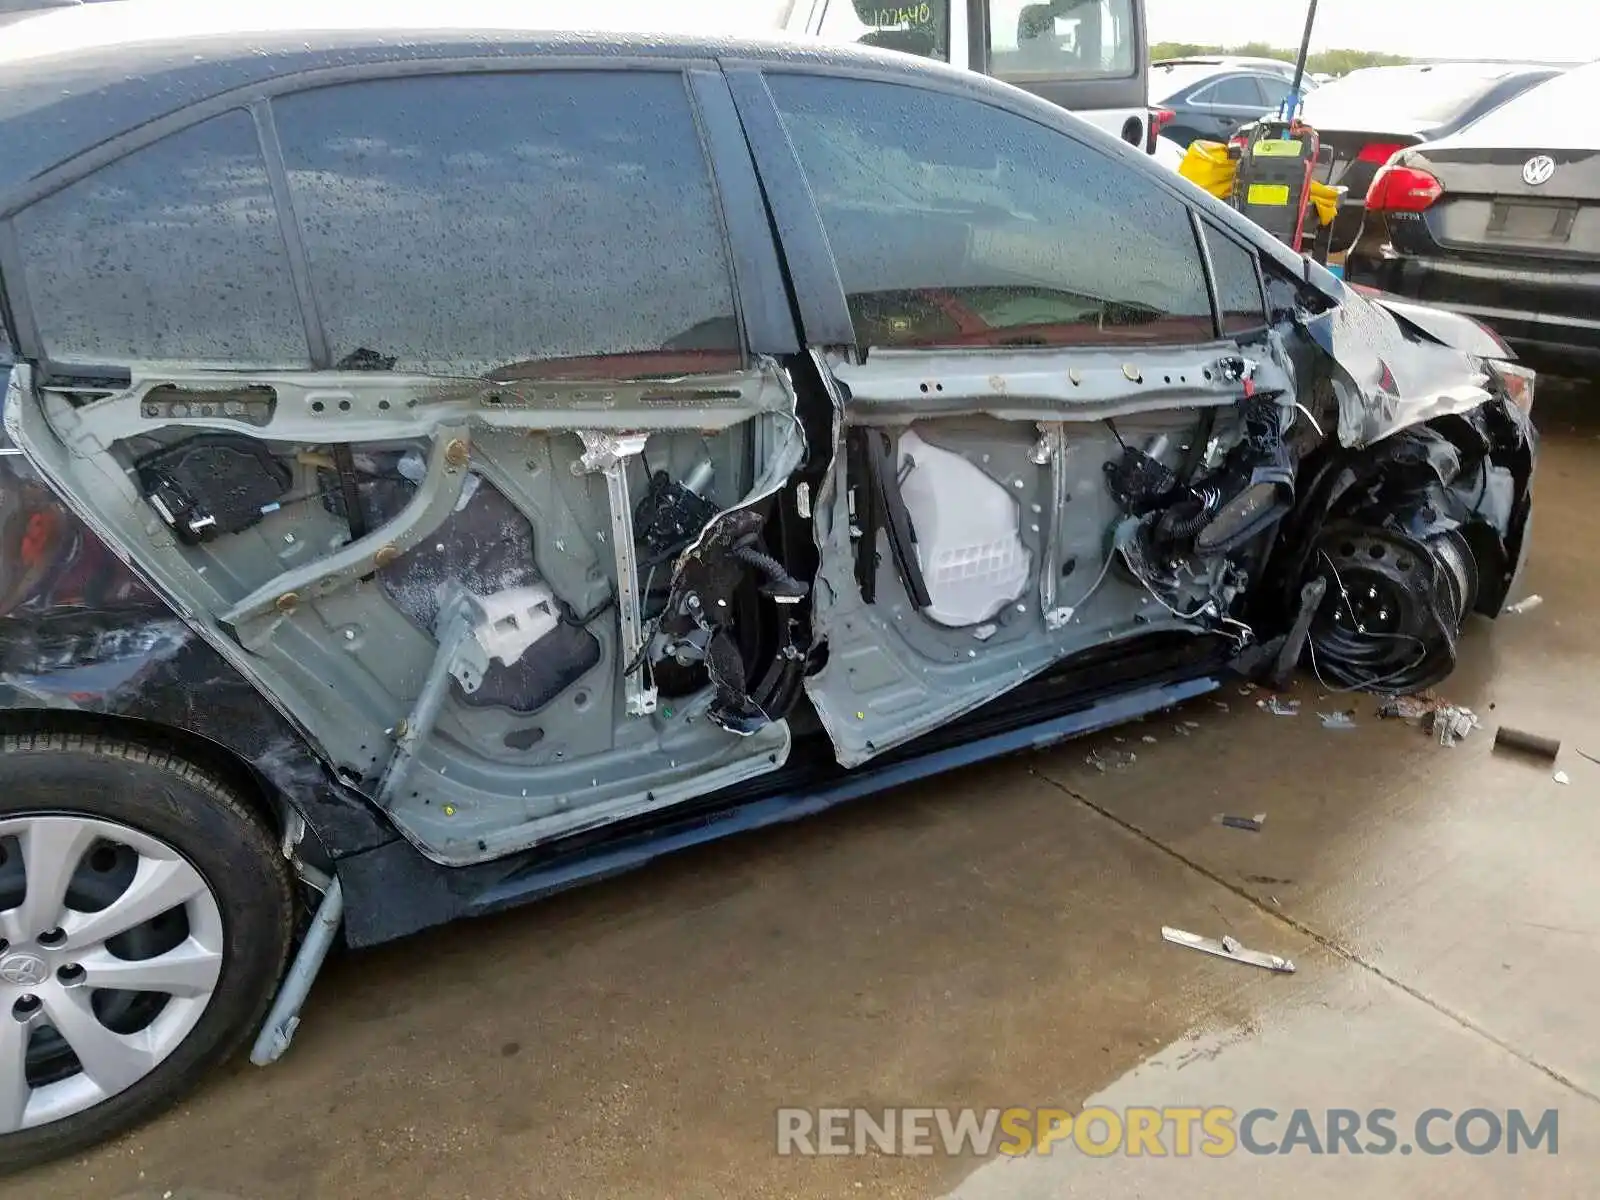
x: 1538, y: 169
x: 23, y: 970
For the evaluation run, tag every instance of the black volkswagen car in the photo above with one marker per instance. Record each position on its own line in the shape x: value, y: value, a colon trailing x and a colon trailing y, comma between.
x: 449, y: 462
x: 1501, y: 221
x: 1367, y: 116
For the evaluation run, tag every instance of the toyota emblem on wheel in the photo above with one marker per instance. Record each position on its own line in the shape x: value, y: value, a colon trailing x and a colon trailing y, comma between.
x: 23, y: 970
x: 1538, y: 169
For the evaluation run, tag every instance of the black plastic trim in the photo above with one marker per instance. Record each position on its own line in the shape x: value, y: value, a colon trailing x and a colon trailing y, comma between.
x: 813, y: 274
x: 765, y: 313
x: 319, y: 351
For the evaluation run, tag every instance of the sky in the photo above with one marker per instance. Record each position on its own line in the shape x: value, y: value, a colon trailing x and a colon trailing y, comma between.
x: 1536, y: 29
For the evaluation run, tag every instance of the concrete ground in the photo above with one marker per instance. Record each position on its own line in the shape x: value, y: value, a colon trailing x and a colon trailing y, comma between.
x: 993, y: 939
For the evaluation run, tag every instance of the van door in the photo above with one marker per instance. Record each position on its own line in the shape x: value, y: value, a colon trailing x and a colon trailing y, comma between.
x: 1088, y: 56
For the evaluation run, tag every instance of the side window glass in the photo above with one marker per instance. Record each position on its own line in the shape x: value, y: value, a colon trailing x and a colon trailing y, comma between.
x: 922, y: 28
x: 173, y: 252
x: 1273, y: 90
x: 1240, y: 90
x: 1060, y: 39
x: 957, y: 224
x: 1238, y: 283
x: 501, y: 223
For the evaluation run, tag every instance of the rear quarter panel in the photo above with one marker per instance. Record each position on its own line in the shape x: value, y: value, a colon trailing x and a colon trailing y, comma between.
x: 82, y: 637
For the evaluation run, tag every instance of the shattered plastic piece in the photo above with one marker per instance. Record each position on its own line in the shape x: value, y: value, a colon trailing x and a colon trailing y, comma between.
x: 1148, y: 739
x: 1246, y: 689
x: 1451, y: 723
x: 1116, y: 759
x: 1279, y: 707
x: 1562, y: 777
x: 1180, y: 730
x: 1227, y: 948
x: 1223, y: 705
x: 1253, y: 824
x: 1338, y: 720
x: 1525, y: 604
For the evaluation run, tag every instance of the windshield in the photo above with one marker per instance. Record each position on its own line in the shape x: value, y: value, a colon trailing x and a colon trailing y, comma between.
x: 1401, y: 97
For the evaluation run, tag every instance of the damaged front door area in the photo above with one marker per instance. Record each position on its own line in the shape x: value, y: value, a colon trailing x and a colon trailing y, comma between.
x: 459, y: 589
x: 991, y: 514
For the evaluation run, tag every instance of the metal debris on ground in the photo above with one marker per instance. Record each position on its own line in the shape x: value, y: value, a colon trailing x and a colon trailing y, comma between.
x: 1223, y: 705
x: 1409, y: 708
x: 1561, y: 777
x: 1148, y: 739
x: 1452, y: 723
x: 1114, y: 759
x: 1338, y: 720
x: 1247, y: 689
x: 1507, y: 738
x: 1228, y: 948
x: 1253, y: 824
x: 1280, y: 707
x: 1525, y: 604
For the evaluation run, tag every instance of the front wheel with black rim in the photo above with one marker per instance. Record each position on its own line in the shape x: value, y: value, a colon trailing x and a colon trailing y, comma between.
x: 145, y: 916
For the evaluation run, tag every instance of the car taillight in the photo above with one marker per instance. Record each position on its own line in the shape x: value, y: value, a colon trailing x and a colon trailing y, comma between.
x: 1379, y: 152
x: 1160, y: 118
x: 1402, y: 189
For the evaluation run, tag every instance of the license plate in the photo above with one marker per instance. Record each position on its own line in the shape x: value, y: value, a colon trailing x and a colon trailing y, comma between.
x: 1531, y: 222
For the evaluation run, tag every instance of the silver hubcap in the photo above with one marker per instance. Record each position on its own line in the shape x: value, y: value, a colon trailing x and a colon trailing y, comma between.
x: 112, y: 949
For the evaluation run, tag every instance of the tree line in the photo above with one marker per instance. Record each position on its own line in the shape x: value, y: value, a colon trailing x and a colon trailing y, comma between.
x: 1320, y: 62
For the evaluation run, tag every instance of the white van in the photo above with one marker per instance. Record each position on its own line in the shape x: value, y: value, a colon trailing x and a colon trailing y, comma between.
x: 1088, y: 56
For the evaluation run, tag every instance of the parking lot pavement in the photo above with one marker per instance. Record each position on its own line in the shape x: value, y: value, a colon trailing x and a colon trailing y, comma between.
x: 993, y: 939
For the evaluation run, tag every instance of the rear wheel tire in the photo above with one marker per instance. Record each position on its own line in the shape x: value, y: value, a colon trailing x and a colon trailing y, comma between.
x: 146, y: 916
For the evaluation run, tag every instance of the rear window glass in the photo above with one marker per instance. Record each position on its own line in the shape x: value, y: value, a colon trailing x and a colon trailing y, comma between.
x: 469, y: 224
x: 171, y: 253
x: 1559, y: 114
x: 1411, y: 96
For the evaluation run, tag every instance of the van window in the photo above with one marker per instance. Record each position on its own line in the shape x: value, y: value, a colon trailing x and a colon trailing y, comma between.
x: 469, y: 224
x: 1060, y: 39
x: 172, y: 253
x: 922, y: 28
x: 954, y: 223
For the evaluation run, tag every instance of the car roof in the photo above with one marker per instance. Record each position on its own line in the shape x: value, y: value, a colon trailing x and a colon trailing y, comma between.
x: 1170, y: 79
x: 71, y: 79
x: 1229, y: 60
x: 355, y: 24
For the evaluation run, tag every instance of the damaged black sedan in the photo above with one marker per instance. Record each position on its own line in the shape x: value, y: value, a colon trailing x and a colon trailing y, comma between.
x: 445, y: 467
